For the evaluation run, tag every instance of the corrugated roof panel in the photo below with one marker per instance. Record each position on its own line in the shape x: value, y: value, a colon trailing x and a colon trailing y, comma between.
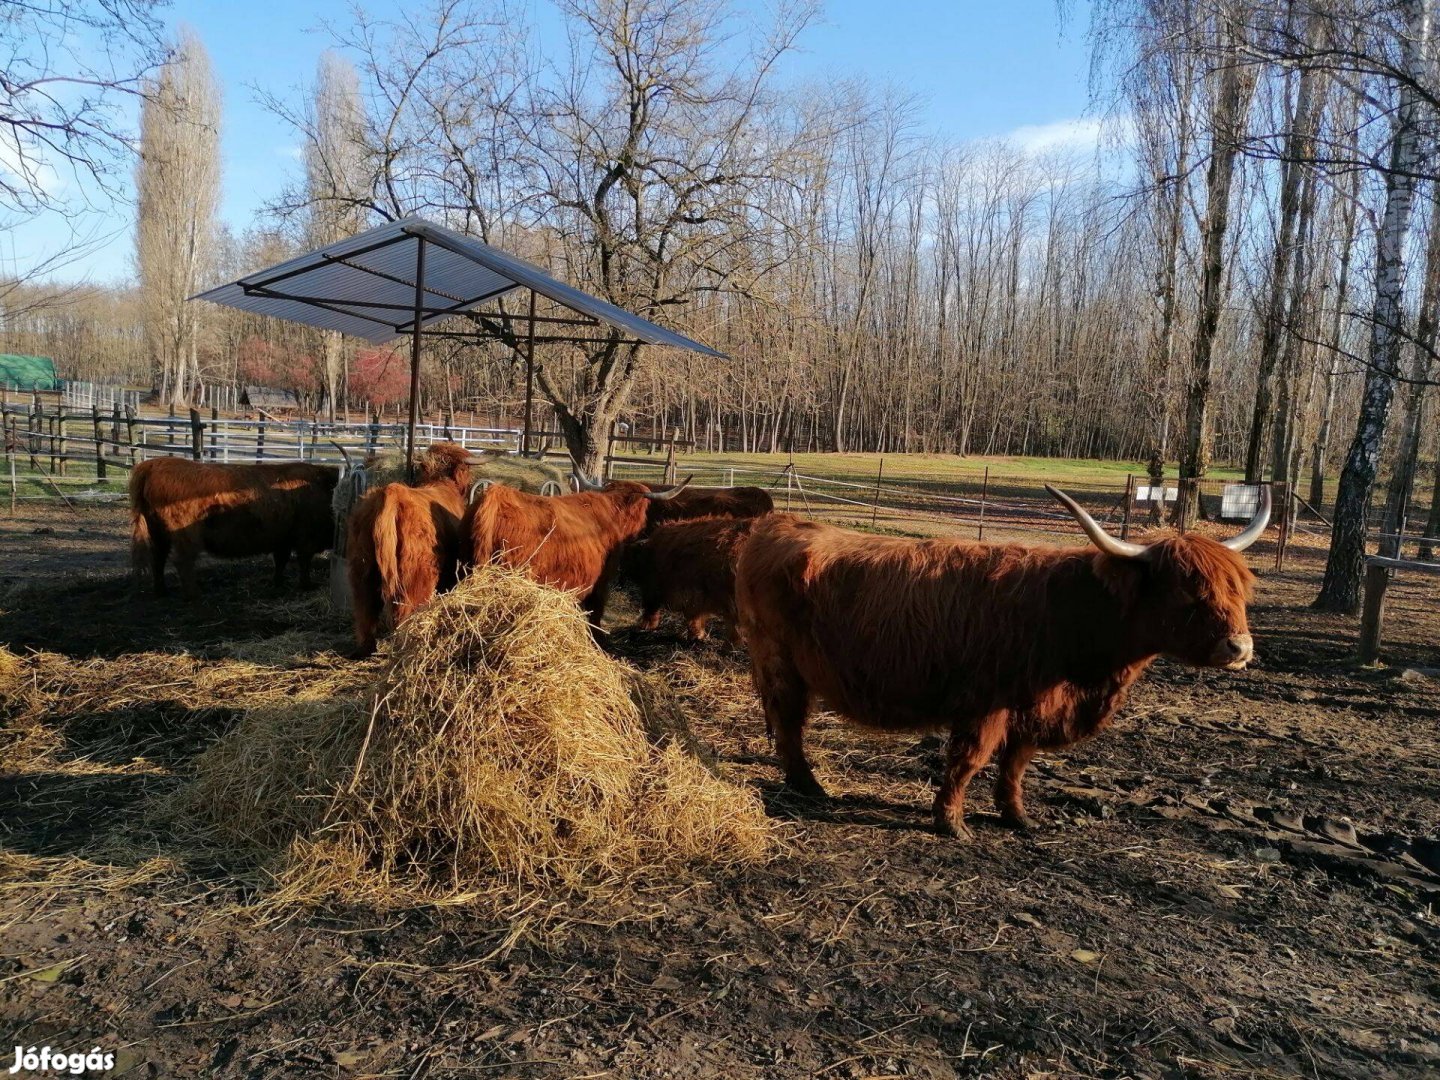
x: 364, y: 286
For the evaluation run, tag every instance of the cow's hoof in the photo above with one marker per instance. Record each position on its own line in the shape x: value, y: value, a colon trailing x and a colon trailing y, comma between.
x: 1018, y: 822
x: 954, y: 826
x: 806, y: 787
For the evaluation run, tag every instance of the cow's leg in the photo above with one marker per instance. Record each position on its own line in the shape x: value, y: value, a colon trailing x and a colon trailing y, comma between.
x: 786, y: 699
x: 649, y: 617
x: 304, y: 556
x: 594, y: 604
x: 971, y: 746
x: 186, y: 555
x: 282, y: 557
x: 159, y: 553
x: 697, y: 628
x: 1009, y: 783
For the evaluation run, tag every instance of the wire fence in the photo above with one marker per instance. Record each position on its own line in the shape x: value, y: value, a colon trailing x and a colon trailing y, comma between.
x: 61, y: 441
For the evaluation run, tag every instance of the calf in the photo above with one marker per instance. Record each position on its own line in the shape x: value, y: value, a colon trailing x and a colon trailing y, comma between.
x: 688, y: 567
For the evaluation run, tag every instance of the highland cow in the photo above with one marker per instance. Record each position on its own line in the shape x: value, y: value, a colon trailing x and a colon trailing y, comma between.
x: 229, y: 511
x: 1014, y: 649
x: 404, y: 544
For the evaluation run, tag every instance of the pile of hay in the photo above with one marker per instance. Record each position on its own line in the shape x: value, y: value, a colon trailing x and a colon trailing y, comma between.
x: 498, y: 752
x: 527, y: 474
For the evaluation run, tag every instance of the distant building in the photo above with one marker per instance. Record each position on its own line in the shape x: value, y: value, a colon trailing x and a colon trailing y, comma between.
x: 28, y: 373
x: 270, y: 399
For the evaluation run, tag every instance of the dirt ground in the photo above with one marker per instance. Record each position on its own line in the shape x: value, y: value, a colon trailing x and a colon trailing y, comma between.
x: 1239, y: 879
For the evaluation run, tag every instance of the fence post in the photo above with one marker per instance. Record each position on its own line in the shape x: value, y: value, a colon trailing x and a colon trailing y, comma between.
x: 130, y: 432
x: 1282, y: 542
x: 875, y: 505
x: 609, y: 467
x: 372, y: 433
x: 61, y: 443
x: 670, y: 459
x: 214, y: 428
x: 197, y: 434
x: 1129, y: 501
x: 99, y: 445
x: 260, y: 440
x: 1377, y: 580
x: 984, y: 490
x: 115, y: 426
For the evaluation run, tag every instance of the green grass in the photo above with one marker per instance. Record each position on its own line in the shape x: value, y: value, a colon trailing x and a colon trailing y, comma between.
x: 940, y: 468
x: 31, y: 483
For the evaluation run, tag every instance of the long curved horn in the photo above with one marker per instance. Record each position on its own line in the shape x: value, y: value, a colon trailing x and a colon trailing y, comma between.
x: 586, y: 484
x: 1242, y: 540
x: 343, y: 453
x: 660, y: 496
x: 1098, y: 536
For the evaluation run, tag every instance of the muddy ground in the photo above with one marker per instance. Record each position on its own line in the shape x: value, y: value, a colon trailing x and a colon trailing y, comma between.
x: 1239, y: 879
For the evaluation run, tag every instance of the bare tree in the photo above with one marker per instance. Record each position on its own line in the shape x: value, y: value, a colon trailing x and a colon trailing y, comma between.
x: 1407, y: 452
x: 1234, y: 83
x: 645, y: 156
x: 177, y: 185
x: 66, y: 66
x: 1345, y: 566
x: 337, y: 181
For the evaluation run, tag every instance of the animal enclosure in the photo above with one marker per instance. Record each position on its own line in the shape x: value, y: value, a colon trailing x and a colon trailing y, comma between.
x: 1235, y: 879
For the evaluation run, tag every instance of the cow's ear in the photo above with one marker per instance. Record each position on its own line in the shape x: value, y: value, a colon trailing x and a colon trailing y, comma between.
x: 1124, y: 577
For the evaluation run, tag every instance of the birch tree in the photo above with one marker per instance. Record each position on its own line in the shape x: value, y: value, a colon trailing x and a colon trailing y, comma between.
x: 1345, y: 566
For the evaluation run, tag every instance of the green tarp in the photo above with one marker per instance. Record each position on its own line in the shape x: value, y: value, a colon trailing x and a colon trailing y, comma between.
x: 27, y: 372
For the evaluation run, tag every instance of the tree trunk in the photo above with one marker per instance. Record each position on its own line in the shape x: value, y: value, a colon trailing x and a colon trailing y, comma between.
x: 1432, y: 526
x: 1402, y: 479
x: 1232, y: 97
x: 1346, y: 565
x: 1289, y: 228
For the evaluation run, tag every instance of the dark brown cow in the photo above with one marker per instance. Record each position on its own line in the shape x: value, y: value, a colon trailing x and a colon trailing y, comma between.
x: 572, y: 542
x: 689, y: 567
x: 404, y: 543
x: 230, y: 511
x: 1014, y: 649
x: 693, y: 502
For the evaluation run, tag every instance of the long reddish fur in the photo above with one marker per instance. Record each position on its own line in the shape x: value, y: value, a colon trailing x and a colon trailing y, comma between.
x: 569, y: 541
x: 1013, y: 648
x: 404, y: 544
x: 693, y: 502
x: 230, y: 511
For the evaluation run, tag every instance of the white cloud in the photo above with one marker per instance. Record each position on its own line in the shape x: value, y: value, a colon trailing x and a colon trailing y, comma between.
x: 23, y: 165
x: 1078, y: 134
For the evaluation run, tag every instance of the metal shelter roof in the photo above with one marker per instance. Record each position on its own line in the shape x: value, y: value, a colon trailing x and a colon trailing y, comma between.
x: 365, y: 286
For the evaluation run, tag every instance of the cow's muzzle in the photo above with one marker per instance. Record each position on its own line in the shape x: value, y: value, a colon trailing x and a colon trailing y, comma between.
x: 1234, y: 652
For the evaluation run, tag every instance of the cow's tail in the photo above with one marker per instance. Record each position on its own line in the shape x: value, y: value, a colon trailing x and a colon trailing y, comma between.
x: 388, y: 533
x: 140, y: 554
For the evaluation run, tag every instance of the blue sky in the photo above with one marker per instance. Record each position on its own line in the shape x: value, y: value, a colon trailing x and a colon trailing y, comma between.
x: 980, y: 69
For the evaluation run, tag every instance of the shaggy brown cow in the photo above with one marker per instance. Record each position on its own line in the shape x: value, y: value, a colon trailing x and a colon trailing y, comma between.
x: 404, y: 544
x: 738, y: 502
x: 572, y: 542
x: 229, y: 511
x: 689, y: 567
x: 1015, y: 649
